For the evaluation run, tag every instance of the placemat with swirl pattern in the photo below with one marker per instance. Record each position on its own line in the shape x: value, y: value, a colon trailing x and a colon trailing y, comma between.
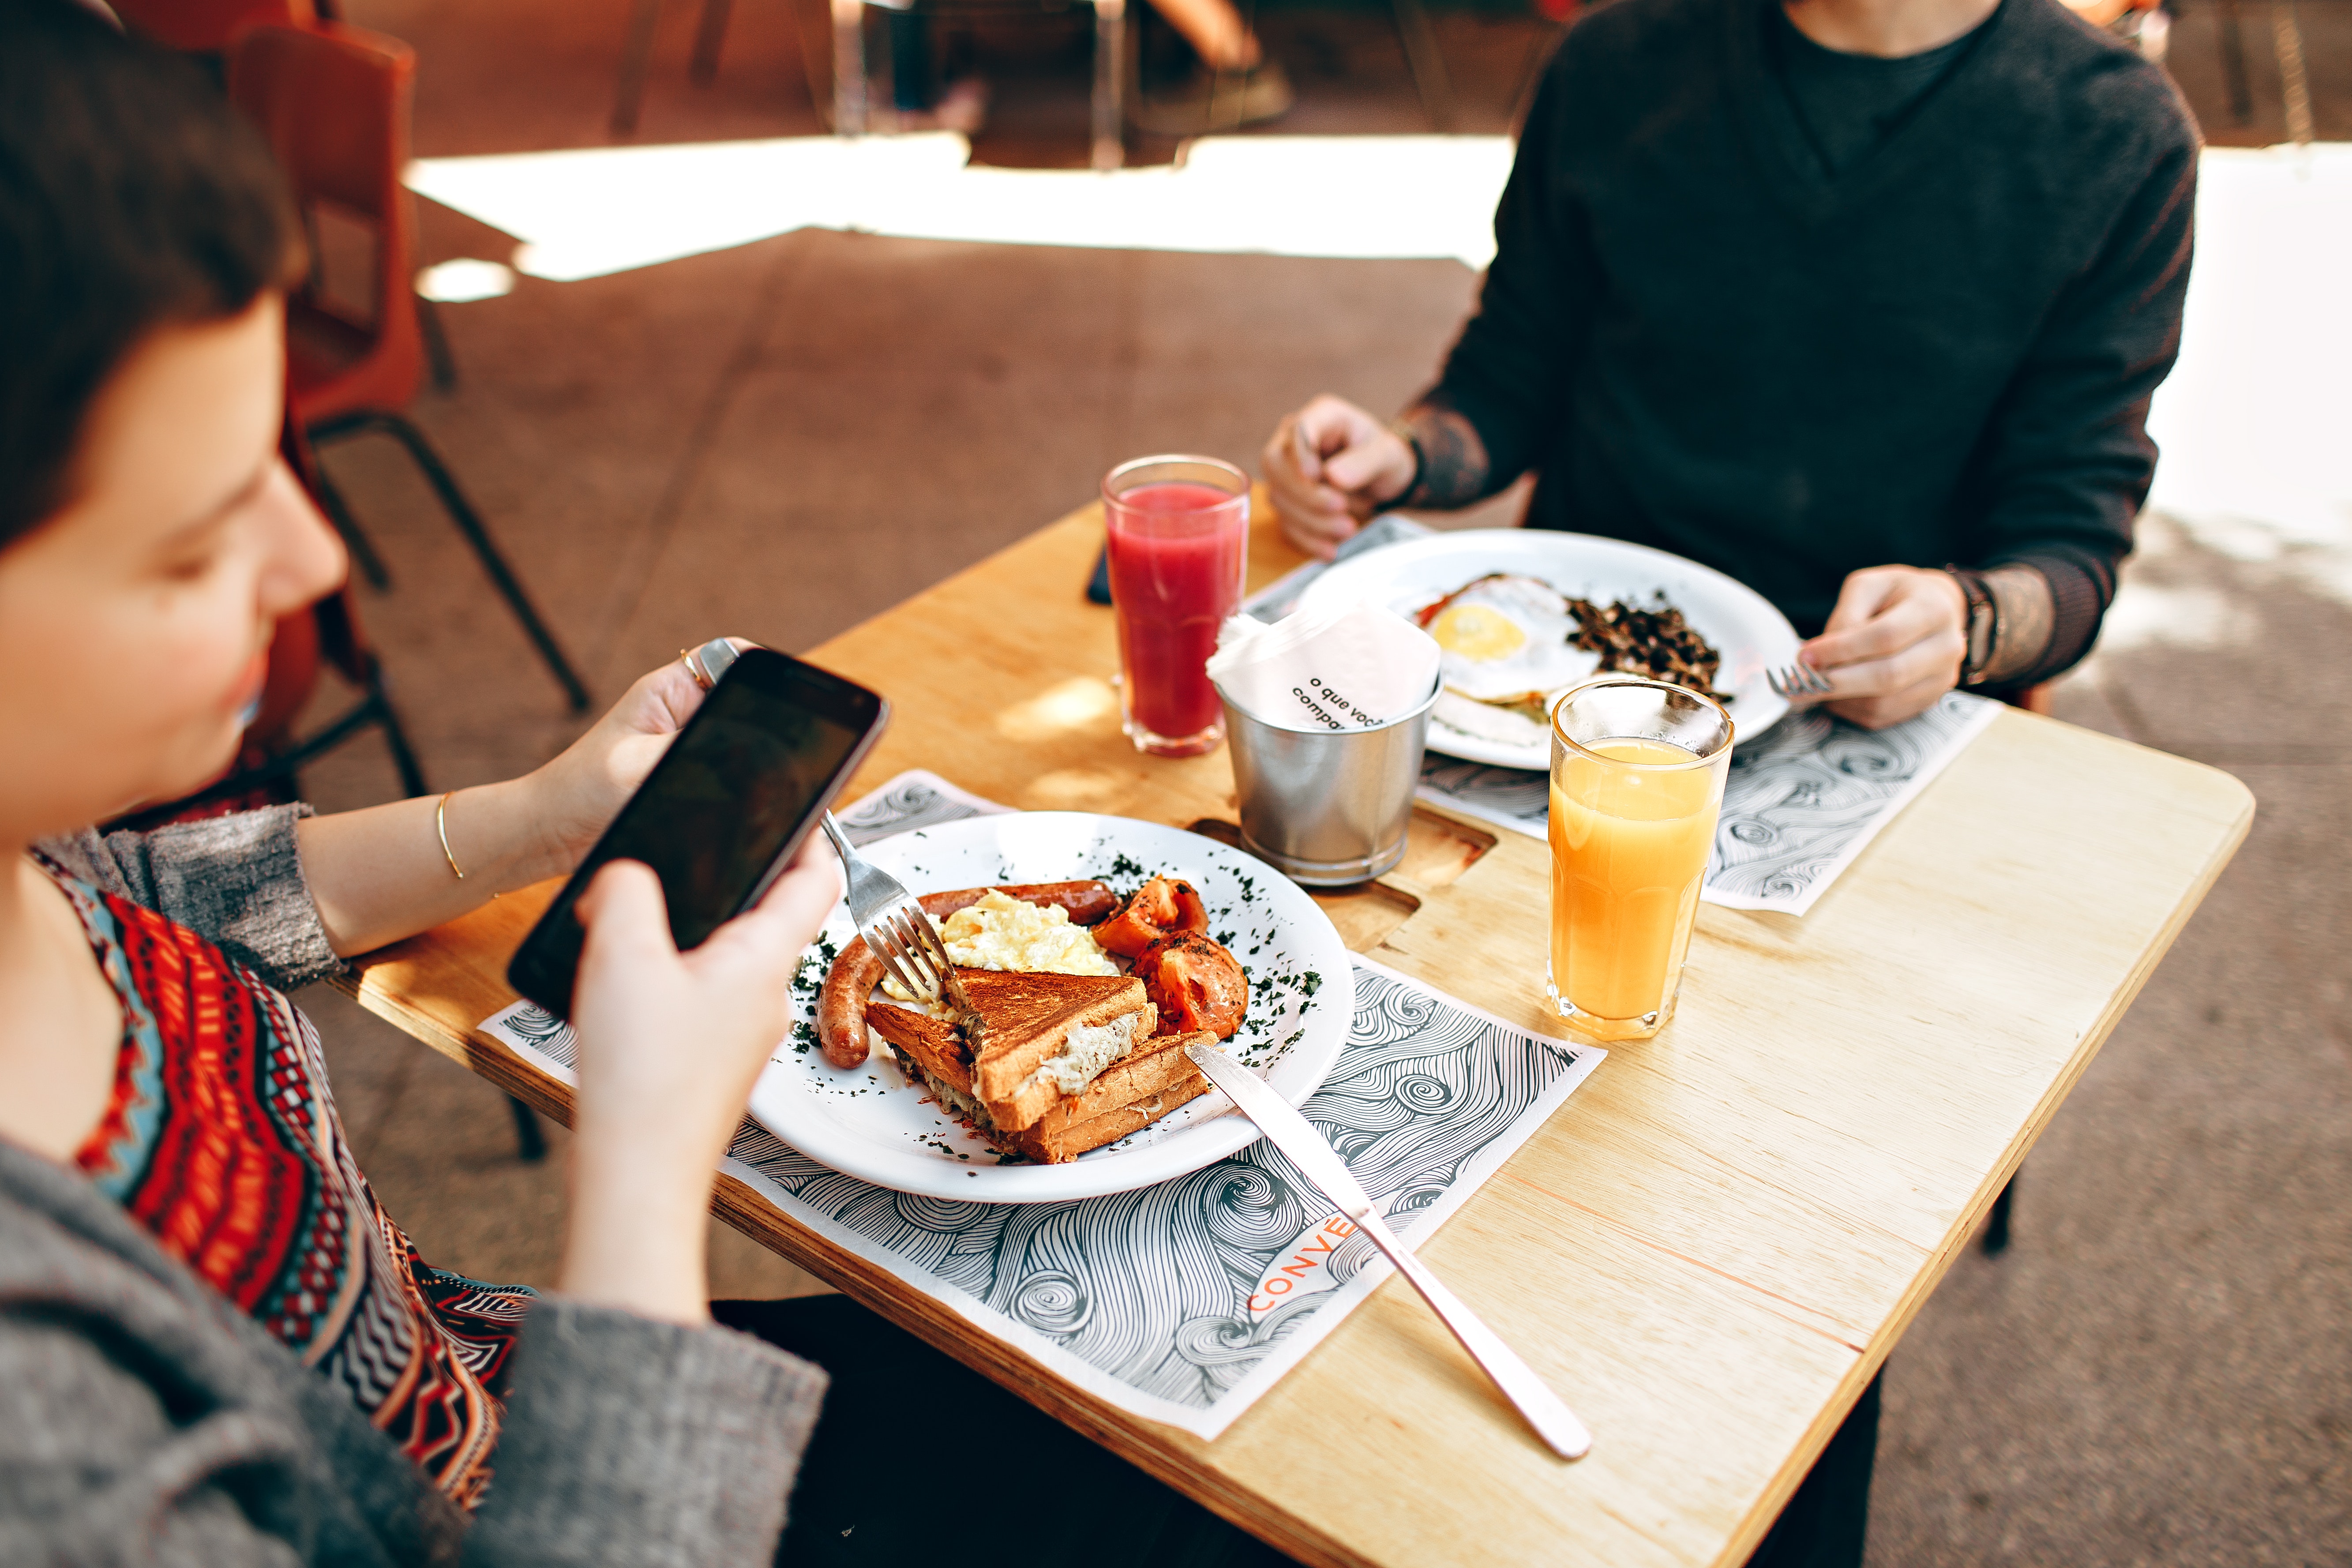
x: 1184, y: 1302
x: 1799, y: 807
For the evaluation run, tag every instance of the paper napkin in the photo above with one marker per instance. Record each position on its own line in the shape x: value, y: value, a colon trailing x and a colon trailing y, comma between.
x: 1354, y: 668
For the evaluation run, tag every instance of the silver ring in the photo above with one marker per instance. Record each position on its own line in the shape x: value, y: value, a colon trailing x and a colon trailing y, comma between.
x: 708, y: 662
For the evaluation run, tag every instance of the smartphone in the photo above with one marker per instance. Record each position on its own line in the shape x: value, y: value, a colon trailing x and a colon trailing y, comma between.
x: 722, y: 811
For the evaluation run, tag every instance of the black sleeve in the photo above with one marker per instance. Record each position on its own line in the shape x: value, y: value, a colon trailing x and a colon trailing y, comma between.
x: 2065, y: 461
x: 1508, y: 373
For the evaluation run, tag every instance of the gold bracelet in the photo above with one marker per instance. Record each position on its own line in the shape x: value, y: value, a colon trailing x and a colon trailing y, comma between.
x: 441, y: 826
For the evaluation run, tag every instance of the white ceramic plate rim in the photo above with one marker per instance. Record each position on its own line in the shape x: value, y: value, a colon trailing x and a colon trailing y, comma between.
x: 1053, y: 846
x: 1754, y: 637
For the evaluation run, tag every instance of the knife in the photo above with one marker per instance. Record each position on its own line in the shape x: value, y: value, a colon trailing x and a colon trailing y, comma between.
x: 1292, y: 1133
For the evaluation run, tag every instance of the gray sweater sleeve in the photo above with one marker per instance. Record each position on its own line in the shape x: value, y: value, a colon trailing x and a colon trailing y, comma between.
x: 144, y: 1420
x: 234, y: 881
x: 631, y: 1442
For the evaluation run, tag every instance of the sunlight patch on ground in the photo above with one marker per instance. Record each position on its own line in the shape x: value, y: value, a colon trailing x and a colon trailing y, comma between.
x: 592, y: 211
x: 465, y: 280
x: 2255, y: 425
x: 2146, y: 614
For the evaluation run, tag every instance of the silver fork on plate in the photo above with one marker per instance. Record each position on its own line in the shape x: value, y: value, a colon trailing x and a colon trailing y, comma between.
x: 1800, y: 679
x: 895, y: 926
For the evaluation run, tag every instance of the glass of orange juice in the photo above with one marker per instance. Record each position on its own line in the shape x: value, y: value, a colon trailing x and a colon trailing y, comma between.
x: 1637, y: 771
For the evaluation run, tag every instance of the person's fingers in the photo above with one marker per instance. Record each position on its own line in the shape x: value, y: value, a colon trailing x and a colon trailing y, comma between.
x: 809, y: 888
x: 1295, y: 496
x: 1933, y: 658
x: 1861, y: 598
x: 1294, y: 478
x: 1907, y: 604
x: 1330, y: 425
x: 1890, y: 708
x: 1862, y: 594
x: 1373, y: 470
x: 626, y: 918
x: 788, y: 915
x: 662, y: 700
x: 1320, y: 536
x: 665, y: 697
x: 1897, y: 626
x: 1283, y: 457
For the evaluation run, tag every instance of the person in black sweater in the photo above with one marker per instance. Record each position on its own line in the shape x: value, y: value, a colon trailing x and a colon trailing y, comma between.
x: 1828, y: 295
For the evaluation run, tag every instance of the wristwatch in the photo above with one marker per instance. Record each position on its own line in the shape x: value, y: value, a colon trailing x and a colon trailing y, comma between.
x: 1984, y: 623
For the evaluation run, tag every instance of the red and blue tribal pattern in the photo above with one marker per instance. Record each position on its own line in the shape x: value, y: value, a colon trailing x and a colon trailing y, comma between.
x: 222, y: 1140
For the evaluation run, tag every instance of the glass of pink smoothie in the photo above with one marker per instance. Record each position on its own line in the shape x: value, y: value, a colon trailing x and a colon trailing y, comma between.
x: 1179, y: 543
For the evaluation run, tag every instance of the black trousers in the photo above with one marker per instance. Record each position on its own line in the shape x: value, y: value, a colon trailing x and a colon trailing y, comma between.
x: 903, y: 1469
x: 918, y: 1460
x: 1826, y: 1522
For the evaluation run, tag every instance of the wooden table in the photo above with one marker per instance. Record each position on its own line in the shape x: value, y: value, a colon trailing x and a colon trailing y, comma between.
x: 1710, y: 1248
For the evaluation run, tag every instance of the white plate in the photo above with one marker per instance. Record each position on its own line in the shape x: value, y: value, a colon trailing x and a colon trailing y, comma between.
x: 1743, y: 626
x: 871, y: 1123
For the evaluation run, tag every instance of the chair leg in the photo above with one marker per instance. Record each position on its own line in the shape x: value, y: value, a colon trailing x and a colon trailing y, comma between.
x: 848, y: 68
x: 338, y: 513
x: 707, y: 39
x: 1996, y: 1231
x: 469, y: 524
x: 530, y: 1143
x: 2233, y: 62
x: 436, y: 345
x: 1428, y: 63
x: 2294, y: 86
x: 636, y: 55
x: 1110, y: 78
x: 395, y: 740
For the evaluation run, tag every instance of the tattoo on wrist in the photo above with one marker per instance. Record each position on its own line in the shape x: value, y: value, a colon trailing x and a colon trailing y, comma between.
x: 2027, y: 618
x: 1454, y: 464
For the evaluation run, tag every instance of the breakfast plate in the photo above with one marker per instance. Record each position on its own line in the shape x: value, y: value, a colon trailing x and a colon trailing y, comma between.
x: 870, y: 1122
x: 1751, y: 635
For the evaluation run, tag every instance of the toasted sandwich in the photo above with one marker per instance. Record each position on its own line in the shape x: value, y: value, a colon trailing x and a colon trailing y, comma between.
x: 1037, y: 1038
x: 1049, y: 1066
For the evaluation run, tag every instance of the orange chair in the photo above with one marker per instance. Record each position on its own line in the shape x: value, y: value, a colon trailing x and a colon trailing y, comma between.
x: 205, y: 26
x: 333, y: 101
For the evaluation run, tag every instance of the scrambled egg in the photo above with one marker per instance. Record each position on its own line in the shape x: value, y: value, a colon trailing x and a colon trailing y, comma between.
x: 1002, y: 932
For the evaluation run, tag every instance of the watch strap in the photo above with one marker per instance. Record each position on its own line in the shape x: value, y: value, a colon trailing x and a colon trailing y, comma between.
x: 1983, y: 627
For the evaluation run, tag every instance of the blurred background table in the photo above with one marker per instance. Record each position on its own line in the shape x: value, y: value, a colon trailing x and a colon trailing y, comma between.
x: 1711, y: 1249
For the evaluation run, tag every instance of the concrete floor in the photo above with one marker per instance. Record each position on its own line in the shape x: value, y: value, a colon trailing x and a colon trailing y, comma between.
x: 781, y: 439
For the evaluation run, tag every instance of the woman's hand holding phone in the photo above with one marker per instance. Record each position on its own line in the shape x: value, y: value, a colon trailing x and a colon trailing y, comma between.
x: 577, y: 794
x: 670, y: 1044
x: 380, y: 874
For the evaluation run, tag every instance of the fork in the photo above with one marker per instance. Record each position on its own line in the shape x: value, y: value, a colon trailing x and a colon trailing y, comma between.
x: 895, y: 926
x: 1800, y: 679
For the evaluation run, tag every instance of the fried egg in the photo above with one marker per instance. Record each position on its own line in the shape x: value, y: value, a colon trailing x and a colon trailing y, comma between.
x: 1503, y: 637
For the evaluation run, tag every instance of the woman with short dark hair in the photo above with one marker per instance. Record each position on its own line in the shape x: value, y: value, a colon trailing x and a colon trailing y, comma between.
x: 214, y: 1344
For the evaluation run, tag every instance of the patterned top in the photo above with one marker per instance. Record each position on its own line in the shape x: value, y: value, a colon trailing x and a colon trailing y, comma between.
x: 222, y: 1140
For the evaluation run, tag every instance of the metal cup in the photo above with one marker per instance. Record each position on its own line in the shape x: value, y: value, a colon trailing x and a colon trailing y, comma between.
x: 1327, y: 807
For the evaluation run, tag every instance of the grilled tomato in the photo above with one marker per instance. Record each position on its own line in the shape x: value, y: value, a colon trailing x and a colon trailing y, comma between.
x: 1162, y: 907
x: 1196, y: 982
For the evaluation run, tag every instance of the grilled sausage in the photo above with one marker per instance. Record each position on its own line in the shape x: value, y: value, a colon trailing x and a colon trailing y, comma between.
x: 841, y: 1005
x: 1086, y: 902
